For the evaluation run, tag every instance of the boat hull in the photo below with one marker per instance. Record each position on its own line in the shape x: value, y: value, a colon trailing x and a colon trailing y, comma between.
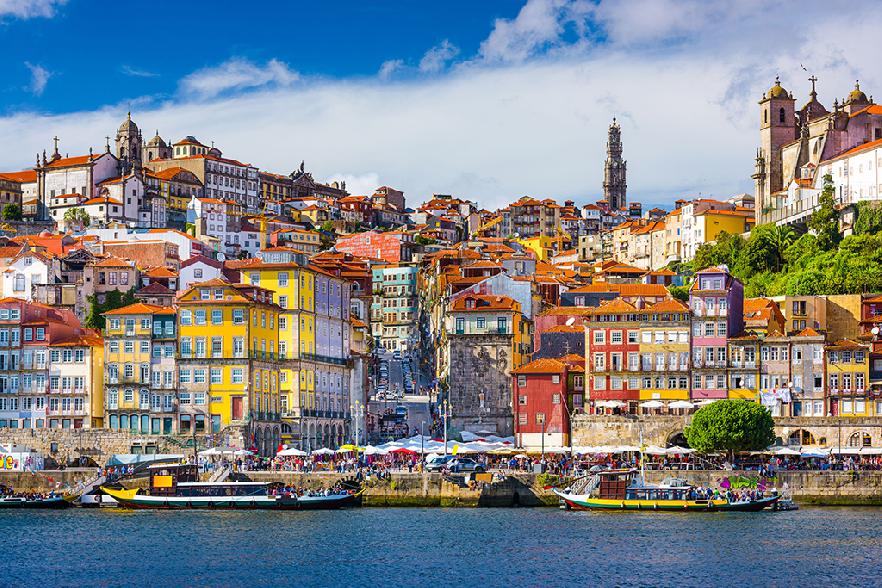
x: 131, y: 499
x: 45, y: 503
x: 583, y: 502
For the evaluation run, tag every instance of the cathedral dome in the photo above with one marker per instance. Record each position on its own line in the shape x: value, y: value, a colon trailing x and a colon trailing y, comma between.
x: 777, y: 91
x: 128, y: 125
x: 857, y: 94
x: 156, y: 141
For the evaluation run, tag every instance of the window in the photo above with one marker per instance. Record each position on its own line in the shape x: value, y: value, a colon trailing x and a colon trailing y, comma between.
x: 217, y: 316
x: 615, y: 337
x: 199, y: 376
x: 522, y: 381
x: 183, y: 376
x: 238, y: 316
x: 632, y: 336
x: 200, y: 317
x: 599, y: 337
x: 186, y: 318
x: 236, y: 376
x: 555, y: 379
x: 522, y: 400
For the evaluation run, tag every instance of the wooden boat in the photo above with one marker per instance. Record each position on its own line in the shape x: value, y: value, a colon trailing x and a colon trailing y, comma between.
x: 177, y: 487
x: 625, y: 490
x: 52, y: 502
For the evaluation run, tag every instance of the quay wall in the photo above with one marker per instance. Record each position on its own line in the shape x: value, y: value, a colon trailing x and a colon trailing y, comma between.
x: 832, y: 488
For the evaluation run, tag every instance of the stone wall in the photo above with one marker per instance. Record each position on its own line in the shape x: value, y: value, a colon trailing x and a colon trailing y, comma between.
x: 660, y: 430
x: 481, y: 365
x: 64, y: 445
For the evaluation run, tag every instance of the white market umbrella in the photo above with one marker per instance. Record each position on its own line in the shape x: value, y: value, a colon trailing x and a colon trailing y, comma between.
x: 652, y: 404
x: 655, y: 450
x: 323, y: 451
x: 871, y: 450
x: 706, y: 401
x: 677, y: 450
x: 371, y: 450
x: 681, y: 404
x: 291, y: 452
x: 787, y: 451
x: 610, y: 404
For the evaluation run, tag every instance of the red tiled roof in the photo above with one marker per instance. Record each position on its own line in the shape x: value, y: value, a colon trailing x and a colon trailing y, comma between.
x: 140, y: 308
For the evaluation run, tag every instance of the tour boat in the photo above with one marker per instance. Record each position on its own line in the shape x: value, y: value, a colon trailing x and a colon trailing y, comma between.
x: 51, y: 502
x: 625, y: 490
x: 177, y: 487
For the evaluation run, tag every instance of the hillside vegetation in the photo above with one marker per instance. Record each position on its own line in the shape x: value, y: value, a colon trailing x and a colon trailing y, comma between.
x: 776, y: 260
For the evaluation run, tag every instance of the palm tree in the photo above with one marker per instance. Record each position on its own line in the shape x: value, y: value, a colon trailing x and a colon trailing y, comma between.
x: 76, y: 217
x: 781, y: 237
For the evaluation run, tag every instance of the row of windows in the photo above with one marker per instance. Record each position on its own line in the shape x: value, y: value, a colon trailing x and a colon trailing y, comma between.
x: 645, y: 336
x: 845, y: 381
x: 634, y: 383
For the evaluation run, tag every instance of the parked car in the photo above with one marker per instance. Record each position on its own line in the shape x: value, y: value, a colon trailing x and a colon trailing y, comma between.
x: 465, y: 464
x: 437, y: 464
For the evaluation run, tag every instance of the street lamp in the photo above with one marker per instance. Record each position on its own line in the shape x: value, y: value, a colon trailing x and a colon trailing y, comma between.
x: 445, y: 414
x: 422, y: 444
x: 357, y: 410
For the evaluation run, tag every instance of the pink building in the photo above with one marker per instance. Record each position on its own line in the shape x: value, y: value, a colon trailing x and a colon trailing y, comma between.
x: 717, y: 302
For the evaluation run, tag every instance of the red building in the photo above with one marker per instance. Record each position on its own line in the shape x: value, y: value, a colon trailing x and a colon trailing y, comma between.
x: 609, y: 343
x: 543, y: 394
x: 392, y: 247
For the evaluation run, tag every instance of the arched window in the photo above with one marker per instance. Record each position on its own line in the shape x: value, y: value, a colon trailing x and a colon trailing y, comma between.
x: 860, y: 439
x: 782, y: 116
x: 765, y: 116
x: 801, y: 437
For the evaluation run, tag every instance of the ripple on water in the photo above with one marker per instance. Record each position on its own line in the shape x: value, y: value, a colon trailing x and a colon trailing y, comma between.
x: 455, y: 547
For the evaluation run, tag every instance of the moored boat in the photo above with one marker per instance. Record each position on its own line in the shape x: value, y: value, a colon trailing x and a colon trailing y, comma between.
x: 625, y: 490
x: 177, y: 487
x: 47, y: 502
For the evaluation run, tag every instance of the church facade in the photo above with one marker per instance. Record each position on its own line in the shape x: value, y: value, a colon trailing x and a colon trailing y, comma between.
x: 799, y: 147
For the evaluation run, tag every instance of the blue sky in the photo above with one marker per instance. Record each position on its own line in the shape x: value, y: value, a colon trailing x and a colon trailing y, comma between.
x: 488, y: 100
x: 107, y: 52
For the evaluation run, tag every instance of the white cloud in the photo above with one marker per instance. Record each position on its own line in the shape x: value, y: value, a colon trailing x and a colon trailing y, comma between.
x: 236, y: 74
x: 436, y: 58
x: 137, y: 73
x: 30, y: 8
x: 537, y: 26
x: 39, y: 78
x: 390, y: 68
x: 363, y: 184
x: 685, y: 93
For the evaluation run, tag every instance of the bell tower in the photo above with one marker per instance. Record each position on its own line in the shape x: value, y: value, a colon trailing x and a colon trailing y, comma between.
x: 777, y: 128
x: 129, y: 145
x: 615, y: 169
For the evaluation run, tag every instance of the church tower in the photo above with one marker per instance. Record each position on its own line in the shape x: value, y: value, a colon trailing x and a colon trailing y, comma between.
x: 614, y: 170
x: 777, y: 128
x: 129, y: 145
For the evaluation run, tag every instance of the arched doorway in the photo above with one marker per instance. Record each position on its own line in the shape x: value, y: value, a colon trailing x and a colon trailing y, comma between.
x: 801, y: 437
x: 860, y: 439
x: 256, y: 440
x: 678, y: 439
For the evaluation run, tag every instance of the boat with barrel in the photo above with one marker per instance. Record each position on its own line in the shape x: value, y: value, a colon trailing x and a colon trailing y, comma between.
x: 626, y: 490
x: 177, y: 486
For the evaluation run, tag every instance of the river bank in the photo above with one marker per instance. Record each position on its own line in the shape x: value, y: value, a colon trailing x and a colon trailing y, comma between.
x: 830, y: 488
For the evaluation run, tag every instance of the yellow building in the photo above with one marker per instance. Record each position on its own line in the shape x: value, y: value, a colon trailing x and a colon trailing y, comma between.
x: 848, y: 377
x: 710, y: 223
x: 228, y: 346
x: 139, y: 381
x: 293, y: 286
x: 744, y: 367
x: 544, y: 246
x: 663, y: 359
x: 76, y: 370
x: 314, y: 346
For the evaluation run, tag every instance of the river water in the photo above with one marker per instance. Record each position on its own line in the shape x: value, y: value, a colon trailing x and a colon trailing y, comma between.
x: 440, y: 547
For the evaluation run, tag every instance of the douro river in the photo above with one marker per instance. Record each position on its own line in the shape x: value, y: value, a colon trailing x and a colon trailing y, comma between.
x: 441, y: 547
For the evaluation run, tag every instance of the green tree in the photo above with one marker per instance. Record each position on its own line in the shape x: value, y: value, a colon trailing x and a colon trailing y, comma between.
x: 76, y: 217
x: 328, y: 226
x: 11, y: 212
x: 680, y: 293
x: 824, y: 221
x: 112, y: 300
x: 781, y: 237
x: 190, y: 229
x: 731, y: 426
x: 420, y: 240
x: 869, y: 219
